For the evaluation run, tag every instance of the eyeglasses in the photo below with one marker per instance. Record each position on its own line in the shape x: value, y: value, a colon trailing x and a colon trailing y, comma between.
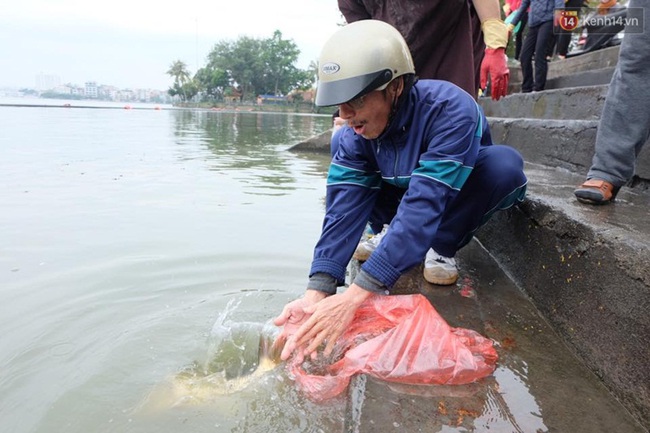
x: 356, y: 103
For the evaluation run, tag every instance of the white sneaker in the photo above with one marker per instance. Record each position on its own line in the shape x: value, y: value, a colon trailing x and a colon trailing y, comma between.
x: 439, y: 269
x: 365, y: 248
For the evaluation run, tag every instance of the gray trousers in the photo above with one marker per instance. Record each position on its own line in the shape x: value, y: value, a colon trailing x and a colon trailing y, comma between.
x: 625, y: 122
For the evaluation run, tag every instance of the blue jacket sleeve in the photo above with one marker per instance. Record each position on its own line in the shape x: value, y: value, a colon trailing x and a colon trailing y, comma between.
x: 352, y: 187
x: 521, y: 11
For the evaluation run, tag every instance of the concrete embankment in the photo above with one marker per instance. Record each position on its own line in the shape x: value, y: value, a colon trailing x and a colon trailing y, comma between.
x: 586, y: 268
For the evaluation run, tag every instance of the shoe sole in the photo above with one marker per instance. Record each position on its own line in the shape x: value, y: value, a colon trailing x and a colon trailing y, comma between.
x: 595, y: 202
x: 440, y: 281
x: 590, y: 197
x: 361, y: 255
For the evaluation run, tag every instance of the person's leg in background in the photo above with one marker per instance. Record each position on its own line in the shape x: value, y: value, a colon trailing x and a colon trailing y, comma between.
x: 550, y: 48
x: 527, y: 53
x: 479, y: 48
x: 564, y: 36
x: 625, y: 122
x: 544, y: 35
x: 562, y: 44
x: 519, y: 38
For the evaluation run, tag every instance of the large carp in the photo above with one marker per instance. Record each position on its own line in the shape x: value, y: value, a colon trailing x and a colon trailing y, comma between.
x: 239, y: 355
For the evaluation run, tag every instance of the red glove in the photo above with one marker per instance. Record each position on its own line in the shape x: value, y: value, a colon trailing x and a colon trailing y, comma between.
x: 494, y: 64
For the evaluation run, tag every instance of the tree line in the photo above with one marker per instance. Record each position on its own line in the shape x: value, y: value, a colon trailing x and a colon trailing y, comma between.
x: 243, y: 69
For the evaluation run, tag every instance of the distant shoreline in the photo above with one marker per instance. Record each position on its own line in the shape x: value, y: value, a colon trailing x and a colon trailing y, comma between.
x: 238, y: 109
x: 126, y: 107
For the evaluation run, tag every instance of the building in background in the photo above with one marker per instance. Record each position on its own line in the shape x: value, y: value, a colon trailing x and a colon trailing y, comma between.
x: 47, y: 82
x: 91, y: 90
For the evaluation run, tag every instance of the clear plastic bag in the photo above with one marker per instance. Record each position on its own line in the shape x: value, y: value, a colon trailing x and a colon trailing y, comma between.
x: 398, y: 339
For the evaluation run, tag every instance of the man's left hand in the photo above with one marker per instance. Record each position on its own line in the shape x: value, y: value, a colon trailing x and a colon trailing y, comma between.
x: 327, y: 320
x: 293, y: 316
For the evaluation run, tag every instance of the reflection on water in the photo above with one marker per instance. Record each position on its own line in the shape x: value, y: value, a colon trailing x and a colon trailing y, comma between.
x: 242, y: 145
x: 143, y: 254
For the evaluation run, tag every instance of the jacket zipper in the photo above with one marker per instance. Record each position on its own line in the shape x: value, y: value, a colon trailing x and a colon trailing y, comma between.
x: 395, y: 176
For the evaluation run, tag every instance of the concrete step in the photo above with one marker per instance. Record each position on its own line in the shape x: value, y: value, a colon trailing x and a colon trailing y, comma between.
x: 567, y: 144
x: 317, y: 144
x: 605, y: 58
x: 585, y: 70
x: 587, y: 78
x: 584, y: 103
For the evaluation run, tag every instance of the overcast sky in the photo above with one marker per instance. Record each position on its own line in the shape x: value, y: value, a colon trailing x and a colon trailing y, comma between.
x: 131, y: 43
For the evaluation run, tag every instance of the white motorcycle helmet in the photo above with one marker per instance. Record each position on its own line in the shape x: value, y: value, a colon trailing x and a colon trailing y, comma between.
x: 361, y: 57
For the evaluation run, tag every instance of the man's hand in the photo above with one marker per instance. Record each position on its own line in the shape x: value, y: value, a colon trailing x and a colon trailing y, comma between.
x: 323, y: 322
x: 338, y: 124
x: 495, y: 65
x: 293, y: 315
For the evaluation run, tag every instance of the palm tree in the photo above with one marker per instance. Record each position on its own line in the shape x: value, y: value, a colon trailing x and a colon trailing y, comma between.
x: 313, y: 71
x: 178, y: 70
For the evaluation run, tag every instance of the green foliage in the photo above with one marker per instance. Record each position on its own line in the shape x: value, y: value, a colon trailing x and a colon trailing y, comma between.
x: 240, y: 60
x: 26, y: 91
x: 51, y: 94
x: 247, y: 67
x: 279, y: 75
x: 212, y: 83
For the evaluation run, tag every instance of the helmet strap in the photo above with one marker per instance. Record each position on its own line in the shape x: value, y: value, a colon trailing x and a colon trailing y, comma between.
x: 407, y: 82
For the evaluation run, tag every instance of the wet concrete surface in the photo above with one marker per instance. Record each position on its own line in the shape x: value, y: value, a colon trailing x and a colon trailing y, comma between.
x: 539, y: 384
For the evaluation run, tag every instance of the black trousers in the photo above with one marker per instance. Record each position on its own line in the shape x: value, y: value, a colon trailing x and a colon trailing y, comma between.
x: 519, y: 38
x: 536, y: 46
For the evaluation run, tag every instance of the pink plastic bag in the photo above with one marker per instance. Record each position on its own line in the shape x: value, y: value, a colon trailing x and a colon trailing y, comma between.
x: 399, y: 339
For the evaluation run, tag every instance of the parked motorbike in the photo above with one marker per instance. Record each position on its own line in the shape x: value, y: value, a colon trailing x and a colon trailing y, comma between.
x: 599, y: 31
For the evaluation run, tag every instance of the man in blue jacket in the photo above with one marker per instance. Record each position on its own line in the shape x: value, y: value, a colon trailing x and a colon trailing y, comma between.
x: 414, y: 156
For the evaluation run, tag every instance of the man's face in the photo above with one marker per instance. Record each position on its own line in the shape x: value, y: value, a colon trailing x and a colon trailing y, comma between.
x: 368, y: 115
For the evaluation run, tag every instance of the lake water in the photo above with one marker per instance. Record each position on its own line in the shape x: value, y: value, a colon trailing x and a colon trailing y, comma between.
x: 143, y: 254
x: 126, y: 236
